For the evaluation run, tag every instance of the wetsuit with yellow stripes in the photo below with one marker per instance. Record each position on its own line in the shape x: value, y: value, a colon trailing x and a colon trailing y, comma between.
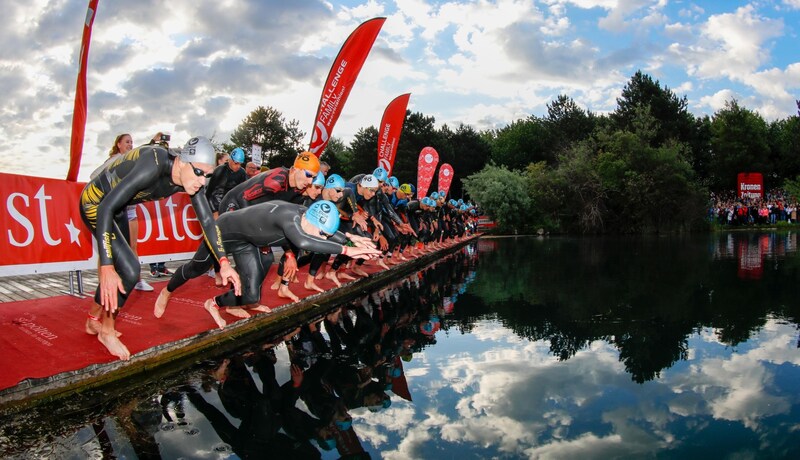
x: 143, y: 174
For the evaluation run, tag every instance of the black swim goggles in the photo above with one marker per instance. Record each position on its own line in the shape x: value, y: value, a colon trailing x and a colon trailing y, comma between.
x: 199, y: 172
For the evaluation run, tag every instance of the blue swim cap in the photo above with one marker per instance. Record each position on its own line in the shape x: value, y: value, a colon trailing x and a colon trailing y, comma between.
x: 324, y: 215
x: 380, y: 174
x: 435, y: 195
x: 452, y: 202
x: 335, y: 181
x: 460, y: 202
x: 237, y: 155
x: 394, y: 182
x: 319, y: 179
x: 413, y: 189
x: 343, y: 425
x: 327, y: 444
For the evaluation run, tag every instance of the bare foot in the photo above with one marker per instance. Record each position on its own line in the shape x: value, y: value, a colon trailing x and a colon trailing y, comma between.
x: 161, y: 303
x: 311, y: 285
x: 283, y: 291
x: 218, y: 280
x: 381, y: 263
x: 237, y: 312
x: 359, y: 271
x: 93, y: 327
x: 344, y: 276
x: 114, y: 346
x: 276, y: 284
x: 213, y: 310
x: 262, y: 309
x: 331, y: 275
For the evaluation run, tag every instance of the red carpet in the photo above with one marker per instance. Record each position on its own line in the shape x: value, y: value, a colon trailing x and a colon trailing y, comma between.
x: 46, y: 337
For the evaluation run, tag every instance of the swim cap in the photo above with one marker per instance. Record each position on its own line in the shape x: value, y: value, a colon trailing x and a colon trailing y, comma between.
x: 319, y: 179
x: 452, y: 202
x: 327, y: 444
x: 237, y: 155
x: 394, y: 182
x: 198, y: 150
x: 324, y: 215
x: 334, y: 181
x: 307, y: 161
x: 435, y: 195
x: 406, y: 188
x: 369, y: 181
x: 380, y: 174
x: 343, y: 425
x: 413, y: 189
x: 460, y: 202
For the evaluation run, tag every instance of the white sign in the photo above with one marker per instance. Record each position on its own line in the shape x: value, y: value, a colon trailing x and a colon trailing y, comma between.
x: 256, y: 154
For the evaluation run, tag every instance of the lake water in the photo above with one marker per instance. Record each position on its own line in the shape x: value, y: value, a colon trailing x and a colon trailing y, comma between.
x: 511, y: 348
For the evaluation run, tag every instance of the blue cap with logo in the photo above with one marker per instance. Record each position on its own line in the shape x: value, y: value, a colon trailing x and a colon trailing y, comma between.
x: 335, y: 181
x: 324, y: 215
x: 237, y: 155
x: 380, y: 174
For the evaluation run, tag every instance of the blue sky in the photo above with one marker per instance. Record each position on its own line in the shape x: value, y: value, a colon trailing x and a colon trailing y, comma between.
x: 199, y: 67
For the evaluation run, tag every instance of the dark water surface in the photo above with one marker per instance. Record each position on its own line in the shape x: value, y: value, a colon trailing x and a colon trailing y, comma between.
x: 511, y: 348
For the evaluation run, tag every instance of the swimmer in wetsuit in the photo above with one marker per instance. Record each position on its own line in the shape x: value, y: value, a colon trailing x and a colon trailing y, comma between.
x: 147, y: 173
x: 244, y: 232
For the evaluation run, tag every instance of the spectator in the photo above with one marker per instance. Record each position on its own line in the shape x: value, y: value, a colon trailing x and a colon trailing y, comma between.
x: 251, y: 169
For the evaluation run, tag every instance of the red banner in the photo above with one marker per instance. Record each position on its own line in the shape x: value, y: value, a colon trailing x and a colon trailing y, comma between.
x: 79, y: 110
x: 43, y: 231
x: 445, y: 178
x: 390, y: 130
x: 341, y: 79
x: 426, y: 165
x: 750, y: 185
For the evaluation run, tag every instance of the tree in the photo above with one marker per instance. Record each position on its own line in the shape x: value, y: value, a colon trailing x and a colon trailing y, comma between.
x: 471, y: 152
x: 364, y: 153
x: 739, y: 144
x: 502, y: 194
x: 522, y: 142
x: 280, y: 141
x: 567, y: 123
x: 674, y: 120
x: 337, y: 155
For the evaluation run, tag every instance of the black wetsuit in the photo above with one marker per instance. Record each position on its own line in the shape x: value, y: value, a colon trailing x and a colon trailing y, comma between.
x: 143, y: 174
x: 244, y: 232
x: 221, y: 182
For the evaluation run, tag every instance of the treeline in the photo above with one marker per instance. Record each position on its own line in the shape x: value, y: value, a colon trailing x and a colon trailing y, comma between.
x: 648, y: 166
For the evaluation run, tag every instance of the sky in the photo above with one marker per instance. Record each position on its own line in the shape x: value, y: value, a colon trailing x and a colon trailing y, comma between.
x: 199, y: 67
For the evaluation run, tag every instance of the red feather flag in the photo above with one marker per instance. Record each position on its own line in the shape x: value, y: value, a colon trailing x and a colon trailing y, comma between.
x: 341, y: 79
x: 391, y: 128
x: 445, y: 178
x: 79, y: 111
x: 426, y: 165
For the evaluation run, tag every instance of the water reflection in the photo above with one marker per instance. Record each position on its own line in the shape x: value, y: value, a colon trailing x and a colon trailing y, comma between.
x: 510, y: 348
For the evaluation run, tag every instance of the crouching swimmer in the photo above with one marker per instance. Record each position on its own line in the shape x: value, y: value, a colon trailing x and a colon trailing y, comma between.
x: 146, y: 173
x: 244, y: 232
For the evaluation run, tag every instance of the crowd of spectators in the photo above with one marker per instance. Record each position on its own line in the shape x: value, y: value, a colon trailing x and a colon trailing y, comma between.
x: 729, y: 209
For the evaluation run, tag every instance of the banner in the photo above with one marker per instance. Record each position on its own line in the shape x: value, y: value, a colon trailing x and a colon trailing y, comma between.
x: 390, y: 130
x: 341, y: 79
x: 445, y: 178
x: 750, y: 185
x: 79, y: 110
x: 42, y: 230
x: 426, y: 165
